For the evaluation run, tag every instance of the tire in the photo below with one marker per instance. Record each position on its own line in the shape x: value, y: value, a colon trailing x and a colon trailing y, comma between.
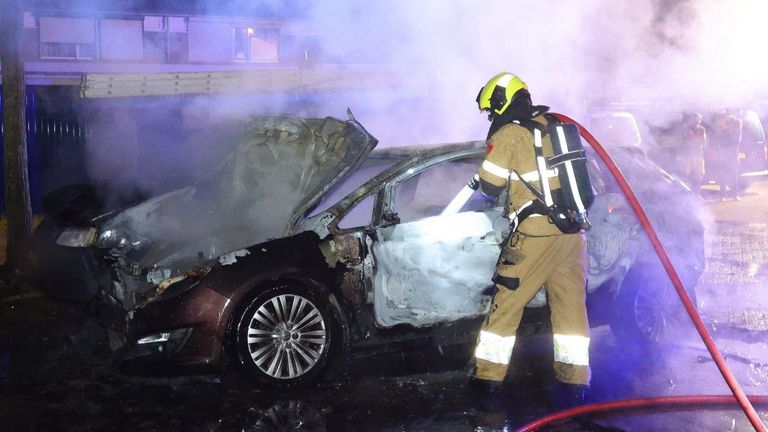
x: 647, y: 309
x: 285, y: 335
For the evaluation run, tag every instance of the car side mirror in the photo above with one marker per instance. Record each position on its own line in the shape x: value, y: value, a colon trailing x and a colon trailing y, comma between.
x: 391, y: 217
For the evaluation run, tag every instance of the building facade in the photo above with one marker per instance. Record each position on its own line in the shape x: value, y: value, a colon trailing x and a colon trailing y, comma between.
x: 62, y: 44
x: 59, y: 47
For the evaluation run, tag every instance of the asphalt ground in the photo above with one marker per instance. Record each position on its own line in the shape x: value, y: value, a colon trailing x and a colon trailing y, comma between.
x: 56, y: 376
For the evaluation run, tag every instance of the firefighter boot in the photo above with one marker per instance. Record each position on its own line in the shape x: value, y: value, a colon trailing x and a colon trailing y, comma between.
x: 477, y: 386
x: 567, y: 396
x: 489, y: 395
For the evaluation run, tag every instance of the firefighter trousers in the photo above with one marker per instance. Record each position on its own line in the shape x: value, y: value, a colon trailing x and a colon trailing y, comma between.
x: 527, y: 263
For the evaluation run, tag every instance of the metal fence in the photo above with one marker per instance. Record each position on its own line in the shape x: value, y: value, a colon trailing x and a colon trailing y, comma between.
x: 56, y: 142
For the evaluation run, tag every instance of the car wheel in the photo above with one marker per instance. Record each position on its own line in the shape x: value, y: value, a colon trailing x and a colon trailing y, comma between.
x: 647, y: 308
x: 284, y: 335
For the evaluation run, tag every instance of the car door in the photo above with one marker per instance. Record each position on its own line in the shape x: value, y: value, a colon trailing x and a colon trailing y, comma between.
x: 433, y: 266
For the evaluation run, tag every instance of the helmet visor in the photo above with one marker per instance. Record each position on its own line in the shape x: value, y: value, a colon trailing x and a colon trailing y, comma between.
x: 479, y: 94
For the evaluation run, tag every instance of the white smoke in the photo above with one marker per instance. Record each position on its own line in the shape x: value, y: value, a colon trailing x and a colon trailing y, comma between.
x: 572, y: 54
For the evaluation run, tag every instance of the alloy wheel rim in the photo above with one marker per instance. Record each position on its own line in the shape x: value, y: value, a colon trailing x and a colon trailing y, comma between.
x: 655, y: 313
x: 286, y: 336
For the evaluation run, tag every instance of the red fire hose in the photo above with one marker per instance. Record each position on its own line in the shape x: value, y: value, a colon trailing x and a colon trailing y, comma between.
x: 738, y: 393
x: 629, y: 404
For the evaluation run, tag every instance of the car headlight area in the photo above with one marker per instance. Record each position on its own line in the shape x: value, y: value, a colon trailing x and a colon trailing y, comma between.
x: 110, y: 238
x: 160, y: 344
x: 82, y: 237
x: 77, y: 237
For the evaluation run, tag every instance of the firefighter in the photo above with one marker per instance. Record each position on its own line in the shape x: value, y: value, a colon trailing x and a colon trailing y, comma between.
x: 536, y: 253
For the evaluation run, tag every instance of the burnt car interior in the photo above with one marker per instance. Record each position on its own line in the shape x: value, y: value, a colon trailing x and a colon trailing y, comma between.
x: 434, y: 268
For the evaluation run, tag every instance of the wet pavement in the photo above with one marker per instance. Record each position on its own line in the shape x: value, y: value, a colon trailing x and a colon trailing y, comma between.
x: 54, y: 376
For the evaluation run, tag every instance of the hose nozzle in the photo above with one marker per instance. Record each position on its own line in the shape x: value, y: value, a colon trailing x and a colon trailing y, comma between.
x: 474, y: 182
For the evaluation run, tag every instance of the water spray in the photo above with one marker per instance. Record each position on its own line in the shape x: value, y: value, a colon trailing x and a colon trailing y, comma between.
x: 736, y: 389
x: 462, y: 197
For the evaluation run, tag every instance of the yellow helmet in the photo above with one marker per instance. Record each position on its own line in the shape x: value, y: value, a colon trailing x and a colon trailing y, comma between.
x: 499, y: 92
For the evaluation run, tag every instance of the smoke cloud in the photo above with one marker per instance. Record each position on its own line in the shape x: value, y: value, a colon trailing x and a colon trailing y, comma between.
x: 573, y: 55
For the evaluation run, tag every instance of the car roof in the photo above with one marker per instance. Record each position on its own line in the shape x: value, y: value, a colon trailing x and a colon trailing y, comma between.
x: 610, y: 114
x: 405, y: 157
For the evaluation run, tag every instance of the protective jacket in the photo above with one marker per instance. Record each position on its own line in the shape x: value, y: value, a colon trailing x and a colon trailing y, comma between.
x: 537, y: 254
x: 511, y: 155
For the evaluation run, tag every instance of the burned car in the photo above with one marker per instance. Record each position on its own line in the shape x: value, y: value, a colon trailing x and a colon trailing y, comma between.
x: 308, y: 248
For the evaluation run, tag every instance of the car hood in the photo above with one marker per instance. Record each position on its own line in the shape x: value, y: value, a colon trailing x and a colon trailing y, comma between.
x: 280, y: 168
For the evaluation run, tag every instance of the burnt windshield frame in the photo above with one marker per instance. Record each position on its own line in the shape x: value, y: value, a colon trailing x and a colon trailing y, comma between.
x: 369, y: 169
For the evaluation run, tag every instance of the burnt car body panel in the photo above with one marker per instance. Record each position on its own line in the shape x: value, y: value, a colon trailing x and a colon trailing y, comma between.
x: 201, y: 312
x: 372, y: 241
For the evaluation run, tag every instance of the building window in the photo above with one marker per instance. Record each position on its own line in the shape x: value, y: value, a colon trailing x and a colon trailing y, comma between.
x: 154, y: 24
x: 243, y: 44
x: 178, y: 39
x: 67, y: 38
x: 176, y: 24
x: 165, y: 39
x: 63, y: 50
x: 255, y: 45
x: 155, y: 39
x: 121, y: 39
x: 29, y: 20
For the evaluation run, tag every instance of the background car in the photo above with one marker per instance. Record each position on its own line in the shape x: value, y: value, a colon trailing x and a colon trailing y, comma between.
x: 616, y: 127
x: 753, y: 146
x: 306, y: 250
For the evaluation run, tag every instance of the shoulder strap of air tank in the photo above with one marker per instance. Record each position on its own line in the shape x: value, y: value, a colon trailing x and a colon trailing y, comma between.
x: 551, y: 120
x: 541, y: 167
x: 531, y: 124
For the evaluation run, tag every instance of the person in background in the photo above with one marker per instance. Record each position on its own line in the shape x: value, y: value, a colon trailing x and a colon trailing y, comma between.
x: 694, y: 145
x: 728, y: 157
